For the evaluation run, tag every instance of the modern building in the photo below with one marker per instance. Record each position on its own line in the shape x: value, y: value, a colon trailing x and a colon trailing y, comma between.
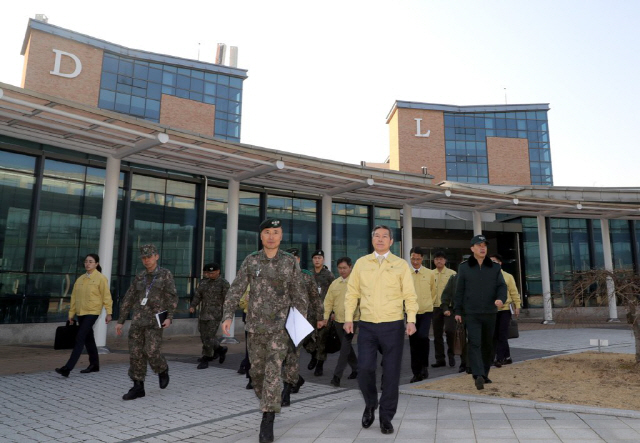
x: 81, y: 172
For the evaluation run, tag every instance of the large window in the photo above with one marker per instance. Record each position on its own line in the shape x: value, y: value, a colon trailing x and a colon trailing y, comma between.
x: 570, y: 246
x: 350, y: 231
x: 135, y: 87
x: 466, y: 143
x: 299, y: 225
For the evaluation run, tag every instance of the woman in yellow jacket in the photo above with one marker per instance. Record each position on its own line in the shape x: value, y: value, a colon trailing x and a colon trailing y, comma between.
x: 503, y: 319
x: 90, y: 294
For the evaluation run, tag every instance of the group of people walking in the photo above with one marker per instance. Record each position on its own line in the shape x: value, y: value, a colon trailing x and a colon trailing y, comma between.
x: 380, y: 296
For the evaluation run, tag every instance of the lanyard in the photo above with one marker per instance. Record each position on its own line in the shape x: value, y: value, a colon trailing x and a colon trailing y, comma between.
x: 146, y: 292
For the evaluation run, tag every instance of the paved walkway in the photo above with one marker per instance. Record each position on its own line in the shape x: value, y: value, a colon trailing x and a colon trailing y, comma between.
x: 212, y: 405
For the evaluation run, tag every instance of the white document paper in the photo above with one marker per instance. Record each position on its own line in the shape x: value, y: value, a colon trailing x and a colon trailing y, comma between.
x: 297, y: 326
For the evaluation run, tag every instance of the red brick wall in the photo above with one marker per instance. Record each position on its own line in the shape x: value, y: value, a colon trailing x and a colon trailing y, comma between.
x: 190, y: 115
x: 508, y: 161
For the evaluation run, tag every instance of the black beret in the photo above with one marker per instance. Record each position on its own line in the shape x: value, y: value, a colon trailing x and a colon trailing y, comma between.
x: 294, y: 251
x: 270, y: 223
x: 319, y: 252
x: 211, y: 267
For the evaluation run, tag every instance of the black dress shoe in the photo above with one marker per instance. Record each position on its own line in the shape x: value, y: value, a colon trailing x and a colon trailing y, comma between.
x: 314, y: 361
x: 163, y: 378
x: 425, y: 373
x: 497, y: 363
x: 487, y: 380
x: 386, y: 427
x: 335, y: 381
x: 462, y: 368
x: 249, y: 385
x: 353, y: 375
x: 368, y: 416
x: 222, y: 353
x: 416, y: 378
x: 91, y: 368
x: 452, y: 361
x: 479, y: 383
x: 438, y: 364
x: 507, y: 361
x: 64, y: 371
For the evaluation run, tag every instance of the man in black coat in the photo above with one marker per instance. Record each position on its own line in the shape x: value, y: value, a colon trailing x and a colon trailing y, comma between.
x: 481, y: 289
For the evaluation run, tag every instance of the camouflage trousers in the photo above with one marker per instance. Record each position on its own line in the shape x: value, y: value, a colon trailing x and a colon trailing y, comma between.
x: 145, y: 345
x: 266, y: 354
x: 291, y: 366
x: 315, y: 342
x: 208, y: 329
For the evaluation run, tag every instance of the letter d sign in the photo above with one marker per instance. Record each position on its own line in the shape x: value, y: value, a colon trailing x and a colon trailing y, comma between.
x: 56, y: 66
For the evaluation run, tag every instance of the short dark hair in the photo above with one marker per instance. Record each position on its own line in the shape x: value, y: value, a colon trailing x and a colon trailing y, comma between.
x: 376, y: 227
x: 416, y: 250
x: 497, y: 257
x: 440, y: 254
x: 346, y: 260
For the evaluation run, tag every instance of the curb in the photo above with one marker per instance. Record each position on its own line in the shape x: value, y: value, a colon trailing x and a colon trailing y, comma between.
x: 524, y: 403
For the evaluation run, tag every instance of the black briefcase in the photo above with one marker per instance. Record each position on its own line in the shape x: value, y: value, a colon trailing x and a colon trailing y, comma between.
x: 66, y: 336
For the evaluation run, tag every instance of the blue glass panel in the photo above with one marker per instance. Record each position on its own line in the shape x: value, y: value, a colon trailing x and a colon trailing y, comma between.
x: 209, y: 99
x: 449, y: 146
x: 481, y: 134
x: 531, y: 115
x: 501, y: 115
x: 210, y: 88
x: 473, y: 169
x: 491, y: 133
x: 137, y: 106
x: 182, y: 93
x: 489, y: 123
x: 234, y: 108
x: 110, y: 63
x: 233, y: 129
x: 123, y: 79
x: 108, y: 80
x: 459, y: 121
x: 123, y: 103
x: 221, y: 126
x: 522, y: 124
x: 183, y: 82
x: 155, y: 75
x: 123, y: 88
x: 234, y: 118
x: 522, y: 134
x: 534, y: 155
x: 511, y: 133
x: 544, y: 136
x: 543, y: 125
x: 462, y: 168
x: 197, y: 74
x: 140, y: 71
x: 468, y: 122
x: 501, y: 123
x: 170, y: 68
x: 154, y: 90
x: 449, y: 120
x: 478, y: 122
x: 534, y: 136
x: 168, y: 79
x: 125, y: 67
x: 451, y: 170
x: 223, y: 91
x: 483, y: 170
x: 501, y: 133
x: 140, y: 92
x: 482, y: 160
x: 235, y: 82
x: 545, y: 155
x: 195, y: 96
x: 541, y: 115
x: 197, y: 85
x: 521, y: 115
x: 137, y: 83
x: 153, y: 109
x: 107, y: 99
x: 17, y: 162
x: 220, y: 114
x: 223, y: 79
x: 169, y: 90
x: 511, y: 124
x: 210, y: 77
x: 235, y: 94
x: 184, y: 71
x: 222, y: 105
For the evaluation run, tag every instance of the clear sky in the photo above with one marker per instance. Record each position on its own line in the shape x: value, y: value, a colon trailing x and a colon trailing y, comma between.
x: 324, y: 75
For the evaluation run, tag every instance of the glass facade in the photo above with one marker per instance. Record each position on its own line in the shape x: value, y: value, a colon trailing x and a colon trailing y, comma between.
x: 135, y: 87
x: 350, y: 231
x: 390, y: 217
x: 466, y: 143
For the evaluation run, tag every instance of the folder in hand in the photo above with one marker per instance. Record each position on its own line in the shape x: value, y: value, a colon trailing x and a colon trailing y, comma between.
x: 161, y: 317
x: 297, y: 326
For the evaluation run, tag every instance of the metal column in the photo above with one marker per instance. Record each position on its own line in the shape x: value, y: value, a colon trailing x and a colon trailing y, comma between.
x: 107, y: 235
x: 544, y: 271
x: 477, y: 223
x: 608, y: 265
x: 233, y: 209
x: 327, y: 219
x: 407, y: 232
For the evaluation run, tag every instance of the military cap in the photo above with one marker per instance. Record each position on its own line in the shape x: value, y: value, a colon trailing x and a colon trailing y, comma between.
x: 270, y: 223
x: 479, y: 239
x: 148, y: 250
x: 211, y: 267
x: 319, y: 252
x: 294, y: 251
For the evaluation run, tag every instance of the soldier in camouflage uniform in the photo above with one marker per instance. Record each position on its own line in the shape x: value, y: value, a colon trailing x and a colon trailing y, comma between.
x: 211, y: 293
x: 151, y: 292
x: 323, y: 277
x: 291, y: 369
x: 275, y: 286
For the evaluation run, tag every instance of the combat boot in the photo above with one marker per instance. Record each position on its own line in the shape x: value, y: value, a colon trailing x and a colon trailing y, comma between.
x: 266, y: 427
x: 204, y: 364
x: 295, y: 388
x: 314, y: 361
x: 249, y: 385
x: 137, y: 391
x: 286, y: 398
x: 318, y: 372
x: 163, y: 378
x: 222, y: 353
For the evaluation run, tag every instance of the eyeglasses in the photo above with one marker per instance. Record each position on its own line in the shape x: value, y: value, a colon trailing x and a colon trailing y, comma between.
x: 88, y: 261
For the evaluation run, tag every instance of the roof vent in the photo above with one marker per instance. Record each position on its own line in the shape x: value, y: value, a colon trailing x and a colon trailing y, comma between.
x: 220, y: 53
x: 42, y: 18
x: 233, y: 56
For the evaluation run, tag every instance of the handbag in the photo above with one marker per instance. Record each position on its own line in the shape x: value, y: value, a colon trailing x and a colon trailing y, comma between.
x: 460, y: 339
x: 332, y: 343
x: 513, y: 329
x: 66, y: 336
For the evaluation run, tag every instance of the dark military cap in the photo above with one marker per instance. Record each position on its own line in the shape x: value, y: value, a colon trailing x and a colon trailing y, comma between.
x: 211, y: 267
x: 148, y: 250
x: 294, y: 251
x: 479, y: 239
x: 270, y: 223
x: 319, y: 252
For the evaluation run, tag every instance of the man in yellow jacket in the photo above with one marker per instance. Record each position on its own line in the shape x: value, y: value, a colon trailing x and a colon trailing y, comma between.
x: 503, y: 319
x: 442, y: 324
x: 382, y: 283
x: 419, y: 342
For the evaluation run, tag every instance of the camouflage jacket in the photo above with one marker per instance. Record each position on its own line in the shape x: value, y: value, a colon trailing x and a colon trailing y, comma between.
x: 315, y: 311
x: 211, y: 293
x: 276, y: 284
x: 162, y: 295
x: 324, y: 278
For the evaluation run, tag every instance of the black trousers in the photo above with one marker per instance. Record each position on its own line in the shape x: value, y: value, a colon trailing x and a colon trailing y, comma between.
x: 388, y: 337
x: 443, y: 325
x: 347, y: 354
x: 419, y: 343
x: 501, y: 337
x: 480, y: 330
x: 85, y: 338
